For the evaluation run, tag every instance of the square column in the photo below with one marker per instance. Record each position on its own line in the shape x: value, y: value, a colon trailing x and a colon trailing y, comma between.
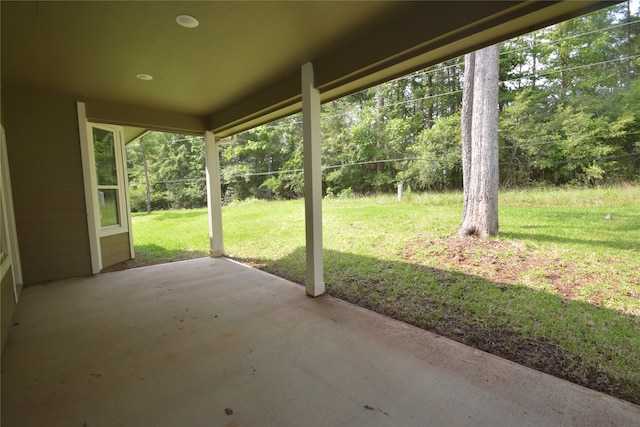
x: 214, y: 195
x: 312, y: 182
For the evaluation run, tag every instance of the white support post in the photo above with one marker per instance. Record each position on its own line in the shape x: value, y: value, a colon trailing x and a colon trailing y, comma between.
x: 312, y: 182
x: 214, y: 196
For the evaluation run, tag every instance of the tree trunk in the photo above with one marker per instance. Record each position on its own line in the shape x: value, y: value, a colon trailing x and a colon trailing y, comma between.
x: 429, y: 101
x: 564, y: 61
x: 534, y: 67
x: 146, y: 175
x: 465, y: 126
x: 629, y: 46
x: 380, y: 99
x: 480, y: 216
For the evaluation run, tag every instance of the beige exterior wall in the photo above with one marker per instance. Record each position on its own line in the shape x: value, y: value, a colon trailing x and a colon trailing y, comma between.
x: 46, y: 175
x: 115, y: 249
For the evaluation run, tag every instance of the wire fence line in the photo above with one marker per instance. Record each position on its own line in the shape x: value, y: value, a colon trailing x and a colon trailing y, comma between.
x: 431, y: 70
x: 406, y: 159
x: 541, y: 74
x: 586, y: 33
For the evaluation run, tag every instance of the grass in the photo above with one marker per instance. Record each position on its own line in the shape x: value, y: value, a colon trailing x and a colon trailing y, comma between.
x: 167, y: 236
x: 559, y: 290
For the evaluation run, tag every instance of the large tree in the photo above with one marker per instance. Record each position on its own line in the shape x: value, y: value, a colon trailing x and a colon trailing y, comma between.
x: 479, y: 123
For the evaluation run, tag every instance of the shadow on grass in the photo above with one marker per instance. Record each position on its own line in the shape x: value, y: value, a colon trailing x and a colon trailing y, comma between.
x: 170, y: 215
x: 154, y: 254
x: 592, y: 346
x: 157, y: 254
x: 619, y: 232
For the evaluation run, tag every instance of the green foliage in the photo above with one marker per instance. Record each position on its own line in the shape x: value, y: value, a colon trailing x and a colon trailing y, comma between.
x: 344, y: 194
x: 138, y: 199
x: 258, y: 164
x: 577, y: 122
x: 438, y: 164
x: 176, y: 170
x: 182, y: 171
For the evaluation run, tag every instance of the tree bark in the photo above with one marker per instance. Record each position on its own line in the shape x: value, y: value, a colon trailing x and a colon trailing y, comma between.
x: 429, y: 101
x: 534, y: 67
x: 465, y: 126
x: 146, y: 176
x: 629, y: 46
x: 480, y: 215
x: 380, y: 100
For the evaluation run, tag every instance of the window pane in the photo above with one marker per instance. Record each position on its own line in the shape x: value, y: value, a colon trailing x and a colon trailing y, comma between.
x: 109, y: 211
x: 105, y: 155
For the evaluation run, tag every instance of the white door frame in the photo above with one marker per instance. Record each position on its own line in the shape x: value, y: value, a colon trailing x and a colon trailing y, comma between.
x: 91, y: 189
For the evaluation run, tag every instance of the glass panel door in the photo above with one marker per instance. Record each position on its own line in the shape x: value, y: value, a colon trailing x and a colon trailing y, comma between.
x: 107, y: 167
x: 104, y: 169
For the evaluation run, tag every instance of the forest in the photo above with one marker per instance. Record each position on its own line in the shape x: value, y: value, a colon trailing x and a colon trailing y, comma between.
x: 569, y: 114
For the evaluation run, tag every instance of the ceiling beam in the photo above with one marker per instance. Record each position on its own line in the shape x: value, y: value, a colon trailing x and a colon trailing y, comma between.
x: 163, y: 121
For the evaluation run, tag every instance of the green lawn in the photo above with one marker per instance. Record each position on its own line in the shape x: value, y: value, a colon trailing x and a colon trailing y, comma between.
x: 166, y: 236
x: 559, y: 290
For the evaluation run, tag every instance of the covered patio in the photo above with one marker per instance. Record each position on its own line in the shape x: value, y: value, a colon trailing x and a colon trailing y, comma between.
x: 81, y: 79
x: 210, y: 342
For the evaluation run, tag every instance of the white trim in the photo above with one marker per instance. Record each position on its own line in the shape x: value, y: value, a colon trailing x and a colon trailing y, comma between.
x: 125, y: 193
x: 96, y: 231
x: 312, y: 182
x: 9, y: 220
x: 89, y: 194
x: 123, y: 224
x: 123, y: 216
x: 214, y: 195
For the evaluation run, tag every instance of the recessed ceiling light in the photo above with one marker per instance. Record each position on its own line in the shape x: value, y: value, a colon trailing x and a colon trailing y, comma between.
x: 187, y: 21
x: 143, y: 76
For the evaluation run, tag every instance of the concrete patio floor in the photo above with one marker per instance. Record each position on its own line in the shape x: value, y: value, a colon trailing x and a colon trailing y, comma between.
x: 210, y: 342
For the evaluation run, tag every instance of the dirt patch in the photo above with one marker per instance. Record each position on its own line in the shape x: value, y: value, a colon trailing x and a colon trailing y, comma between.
x: 500, y: 261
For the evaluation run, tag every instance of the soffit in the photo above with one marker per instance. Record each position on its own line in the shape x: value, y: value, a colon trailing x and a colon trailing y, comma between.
x: 241, y: 66
x: 95, y: 49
